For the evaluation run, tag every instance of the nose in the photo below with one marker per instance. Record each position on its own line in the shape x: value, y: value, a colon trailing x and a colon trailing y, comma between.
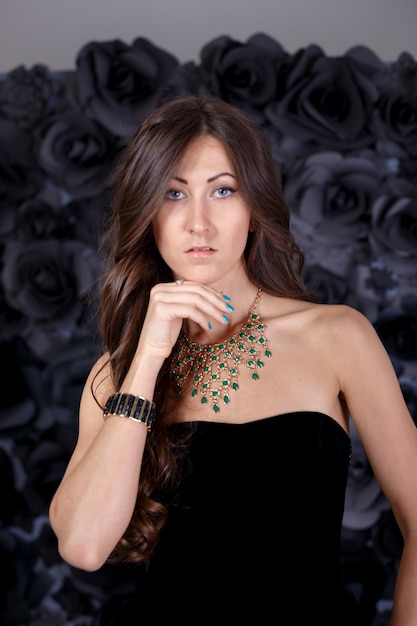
x: 198, y: 216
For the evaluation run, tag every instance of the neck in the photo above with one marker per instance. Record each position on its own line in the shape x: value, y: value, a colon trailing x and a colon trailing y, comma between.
x: 242, y: 303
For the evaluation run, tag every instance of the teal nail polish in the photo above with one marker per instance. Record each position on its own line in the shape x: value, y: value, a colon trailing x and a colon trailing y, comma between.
x: 209, y: 326
x: 226, y: 319
x: 229, y: 307
x: 226, y: 297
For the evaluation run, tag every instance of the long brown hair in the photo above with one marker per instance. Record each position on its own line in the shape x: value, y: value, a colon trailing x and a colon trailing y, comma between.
x: 133, y: 264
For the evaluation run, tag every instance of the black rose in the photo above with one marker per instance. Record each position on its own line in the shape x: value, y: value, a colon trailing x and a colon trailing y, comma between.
x: 246, y: 74
x: 325, y: 286
x: 330, y: 197
x: 327, y: 101
x: 46, y: 280
x: 394, y: 119
x: 119, y: 84
x: 397, y: 328
x: 27, y: 95
x: 42, y: 217
x: 394, y: 227
x: 20, y: 176
x: 76, y: 152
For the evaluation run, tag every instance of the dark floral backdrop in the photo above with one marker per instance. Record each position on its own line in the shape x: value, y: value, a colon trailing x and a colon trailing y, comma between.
x: 343, y: 131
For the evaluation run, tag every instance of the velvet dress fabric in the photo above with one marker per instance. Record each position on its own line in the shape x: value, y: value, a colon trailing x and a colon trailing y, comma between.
x: 343, y: 135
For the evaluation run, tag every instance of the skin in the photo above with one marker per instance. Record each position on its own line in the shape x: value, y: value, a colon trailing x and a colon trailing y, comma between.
x: 324, y: 357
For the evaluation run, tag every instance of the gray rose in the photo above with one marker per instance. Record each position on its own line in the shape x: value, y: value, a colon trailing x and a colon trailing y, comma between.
x: 246, y: 74
x: 76, y: 152
x: 119, y: 84
x: 47, y: 280
x: 394, y: 226
x: 330, y: 197
x: 27, y: 95
x: 394, y: 120
x: 327, y: 101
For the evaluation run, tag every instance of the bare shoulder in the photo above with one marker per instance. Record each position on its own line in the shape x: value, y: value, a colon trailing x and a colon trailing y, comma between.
x: 336, y: 322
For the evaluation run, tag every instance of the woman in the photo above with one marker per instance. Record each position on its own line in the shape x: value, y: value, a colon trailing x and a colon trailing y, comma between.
x: 223, y: 464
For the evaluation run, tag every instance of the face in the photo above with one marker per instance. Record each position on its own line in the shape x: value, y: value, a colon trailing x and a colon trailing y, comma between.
x: 202, y: 227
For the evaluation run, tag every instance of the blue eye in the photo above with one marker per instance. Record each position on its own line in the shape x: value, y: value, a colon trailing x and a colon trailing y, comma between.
x: 223, y: 192
x: 174, y: 194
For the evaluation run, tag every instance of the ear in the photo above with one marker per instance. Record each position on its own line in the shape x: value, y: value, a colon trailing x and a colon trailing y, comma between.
x: 251, y: 228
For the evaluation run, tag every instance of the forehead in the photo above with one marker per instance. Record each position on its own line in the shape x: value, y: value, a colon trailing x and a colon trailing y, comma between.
x: 205, y: 150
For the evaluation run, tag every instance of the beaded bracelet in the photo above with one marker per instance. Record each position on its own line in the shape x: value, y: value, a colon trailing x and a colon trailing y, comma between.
x: 134, y: 407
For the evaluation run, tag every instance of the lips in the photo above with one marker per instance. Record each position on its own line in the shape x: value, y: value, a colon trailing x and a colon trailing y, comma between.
x: 200, y: 249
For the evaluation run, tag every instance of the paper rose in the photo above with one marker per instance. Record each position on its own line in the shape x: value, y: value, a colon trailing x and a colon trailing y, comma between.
x: 76, y: 152
x: 330, y: 197
x: 119, y: 84
x: 397, y: 329
x: 27, y: 95
x: 47, y: 279
x: 246, y: 74
x: 394, y: 226
x: 394, y: 120
x: 327, y: 101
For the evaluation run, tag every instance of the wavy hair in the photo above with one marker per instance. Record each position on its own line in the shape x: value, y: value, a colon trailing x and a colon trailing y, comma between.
x: 133, y: 264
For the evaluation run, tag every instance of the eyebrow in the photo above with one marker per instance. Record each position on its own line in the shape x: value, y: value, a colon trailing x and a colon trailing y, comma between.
x: 209, y: 180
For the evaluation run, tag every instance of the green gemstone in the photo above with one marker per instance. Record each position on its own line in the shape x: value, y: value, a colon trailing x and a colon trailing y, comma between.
x: 197, y: 348
x: 251, y: 363
x: 216, y: 408
x: 221, y: 346
x: 260, y: 363
x: 204, y: 400
x: 240, y: 347
x: 226, y: 399
x: 214, y: 394
x: 213, y: 376
x: 214, y: 357
x: 268, y: 353
x: 235, y: 386
x: 209, y: 349
x: 194, y: 392
x: 197, y: 377
x: 251, y: 338
x: 252, y: 351
x: 255, y: 376
x: 232, y: 370
x: 222, y: 365
x: 232, y: 341
x: 204, y: 386
x: 225, y: 383
x: 261, y: 339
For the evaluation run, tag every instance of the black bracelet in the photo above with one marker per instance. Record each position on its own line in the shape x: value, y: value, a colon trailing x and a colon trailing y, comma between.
x: 134, y: 407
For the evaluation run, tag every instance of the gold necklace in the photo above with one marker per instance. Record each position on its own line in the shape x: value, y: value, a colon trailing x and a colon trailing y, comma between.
x: 215, y: 367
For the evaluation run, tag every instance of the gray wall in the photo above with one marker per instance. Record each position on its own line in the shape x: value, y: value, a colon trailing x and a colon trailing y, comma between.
x: 52, y: 31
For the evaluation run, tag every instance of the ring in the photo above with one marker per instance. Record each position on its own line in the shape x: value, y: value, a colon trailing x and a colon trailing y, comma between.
x: 179, y: 281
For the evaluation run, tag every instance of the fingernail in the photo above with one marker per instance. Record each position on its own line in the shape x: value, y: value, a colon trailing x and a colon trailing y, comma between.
x: 226, y: 319
x: 229, y: 307
x: 209, y: 326
x: 225, y: 297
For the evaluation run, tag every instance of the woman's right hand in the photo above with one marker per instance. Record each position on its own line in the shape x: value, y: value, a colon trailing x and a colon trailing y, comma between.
x: 172, y: 303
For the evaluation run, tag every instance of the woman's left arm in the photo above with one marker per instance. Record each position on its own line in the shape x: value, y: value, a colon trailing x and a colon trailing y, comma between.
x: 389, y: 436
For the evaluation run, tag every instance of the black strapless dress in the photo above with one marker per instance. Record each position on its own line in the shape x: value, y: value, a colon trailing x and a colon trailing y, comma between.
x: 254, y: 534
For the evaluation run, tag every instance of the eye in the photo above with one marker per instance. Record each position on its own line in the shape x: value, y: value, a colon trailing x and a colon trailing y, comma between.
x: 174, y: 194
x: 224, y: 192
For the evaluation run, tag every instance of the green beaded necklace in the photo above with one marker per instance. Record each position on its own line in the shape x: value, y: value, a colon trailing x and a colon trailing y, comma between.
x: 215, y: 367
